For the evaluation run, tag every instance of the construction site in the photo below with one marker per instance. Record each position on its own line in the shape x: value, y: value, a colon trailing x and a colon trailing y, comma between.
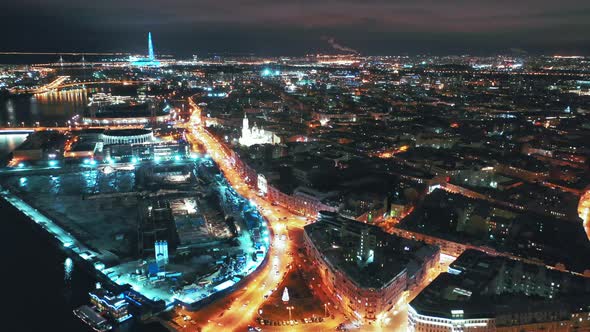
x: 173, y: 231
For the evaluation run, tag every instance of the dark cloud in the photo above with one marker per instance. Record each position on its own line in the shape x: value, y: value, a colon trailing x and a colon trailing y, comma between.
x: 370, y: 26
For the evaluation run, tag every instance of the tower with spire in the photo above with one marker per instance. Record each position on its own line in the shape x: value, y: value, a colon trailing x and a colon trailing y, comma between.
x: 151, y: 55
x: 245, y: 126
x: 150, y: 60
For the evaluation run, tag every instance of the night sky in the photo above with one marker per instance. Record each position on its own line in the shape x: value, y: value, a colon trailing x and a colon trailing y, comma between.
x: 295, y: 27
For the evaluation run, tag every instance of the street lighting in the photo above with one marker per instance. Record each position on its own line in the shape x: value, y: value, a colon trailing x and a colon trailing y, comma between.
x: 290, y: 308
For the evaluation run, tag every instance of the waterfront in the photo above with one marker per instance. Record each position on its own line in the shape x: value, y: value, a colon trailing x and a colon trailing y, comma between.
x: 294, y: 194
x: 44, y: 291
x: 53, y: 108
x: 45, y: 286
x: 85, y: 180
x: 47, y: 109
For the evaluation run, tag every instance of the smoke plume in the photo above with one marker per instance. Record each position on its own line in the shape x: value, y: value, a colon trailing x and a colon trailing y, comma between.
x: 340, y: 47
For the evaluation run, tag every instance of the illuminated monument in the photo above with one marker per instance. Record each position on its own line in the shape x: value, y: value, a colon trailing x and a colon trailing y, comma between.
x: 255, y: 135
x: 150, y: 61
x: 151, y: 55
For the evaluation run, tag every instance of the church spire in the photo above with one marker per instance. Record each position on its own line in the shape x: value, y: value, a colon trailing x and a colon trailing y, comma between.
x: 245, y: 125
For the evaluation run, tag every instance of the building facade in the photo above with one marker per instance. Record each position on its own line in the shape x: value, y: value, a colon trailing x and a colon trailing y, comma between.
x: 424, y: 323
x: 255, y: 135
x: 127, y: 136
x: 365, y: 270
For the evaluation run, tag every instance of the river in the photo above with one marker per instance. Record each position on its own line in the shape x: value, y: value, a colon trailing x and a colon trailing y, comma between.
x: 41, y: 285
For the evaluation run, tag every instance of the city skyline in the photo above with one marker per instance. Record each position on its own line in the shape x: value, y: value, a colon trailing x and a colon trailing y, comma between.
x: 258, y: 165
x: 287, y: 28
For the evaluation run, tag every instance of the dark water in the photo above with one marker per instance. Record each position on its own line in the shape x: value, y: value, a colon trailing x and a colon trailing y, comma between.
x: 37, y: 294
x: 47, y: 109
x: 40, y: 289
x: 53, y: 108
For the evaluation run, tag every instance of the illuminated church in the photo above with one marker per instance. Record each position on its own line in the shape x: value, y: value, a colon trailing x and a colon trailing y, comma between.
x: 255, y: 135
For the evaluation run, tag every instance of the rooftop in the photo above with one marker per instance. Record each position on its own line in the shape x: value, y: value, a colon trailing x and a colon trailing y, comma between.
x: 127, y: 132
x: 373, y: 262
x: 476, y: 286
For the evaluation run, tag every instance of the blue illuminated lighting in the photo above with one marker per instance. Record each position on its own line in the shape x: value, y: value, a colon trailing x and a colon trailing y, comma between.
x: 151, y: 60
x: 146, y: 63
x: 53, y: 163
x: 21, y: 165
x: 224, y: 285
x: 134, y: 160
x: 92, y: 162
x: 151, y: 54
x: 132, y: 300
x: 219, y: 94
x: 177, y: 158
x: 157, y: 159
x: 86, y: 161
x: 266, y: 72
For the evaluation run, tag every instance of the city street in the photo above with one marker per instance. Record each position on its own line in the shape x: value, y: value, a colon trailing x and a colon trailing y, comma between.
x: 239, y: 309
x: 342, y: 166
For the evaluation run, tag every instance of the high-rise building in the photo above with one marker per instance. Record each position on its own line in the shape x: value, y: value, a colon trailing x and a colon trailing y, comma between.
x: 151, y: 60
x: 151, y: 55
